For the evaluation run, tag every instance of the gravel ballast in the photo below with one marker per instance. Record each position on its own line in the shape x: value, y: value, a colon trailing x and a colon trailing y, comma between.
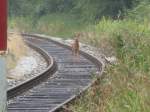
x: 95, y: 52
x: 30, y: 65
x: 27, y: 67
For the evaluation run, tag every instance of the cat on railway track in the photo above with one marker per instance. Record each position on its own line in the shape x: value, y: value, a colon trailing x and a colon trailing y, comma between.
x: 75, y: 45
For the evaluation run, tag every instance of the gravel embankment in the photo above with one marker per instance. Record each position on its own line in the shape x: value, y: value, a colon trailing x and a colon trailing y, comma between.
x: 27, y: 67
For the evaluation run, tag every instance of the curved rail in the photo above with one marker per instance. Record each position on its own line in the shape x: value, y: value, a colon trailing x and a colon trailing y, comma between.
x: 26, y: 85
x: 72, y: 78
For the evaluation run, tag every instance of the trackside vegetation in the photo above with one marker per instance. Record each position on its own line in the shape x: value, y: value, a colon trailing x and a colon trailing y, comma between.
x: 120, y: 27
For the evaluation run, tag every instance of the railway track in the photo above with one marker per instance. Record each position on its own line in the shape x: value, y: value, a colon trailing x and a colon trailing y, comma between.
x: 48, y: 93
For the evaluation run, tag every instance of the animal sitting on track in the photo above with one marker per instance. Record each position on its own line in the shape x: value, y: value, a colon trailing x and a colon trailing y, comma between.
x: 75, y: 45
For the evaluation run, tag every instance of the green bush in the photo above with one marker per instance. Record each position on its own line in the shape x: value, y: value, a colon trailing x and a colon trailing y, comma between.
x: 141, y: 12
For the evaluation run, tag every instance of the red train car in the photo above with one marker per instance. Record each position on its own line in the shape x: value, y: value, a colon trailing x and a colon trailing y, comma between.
x: 3, y: 25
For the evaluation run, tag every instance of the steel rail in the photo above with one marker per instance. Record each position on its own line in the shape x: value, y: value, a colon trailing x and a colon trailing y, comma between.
x: 67, y: 83
x: 26, y: 85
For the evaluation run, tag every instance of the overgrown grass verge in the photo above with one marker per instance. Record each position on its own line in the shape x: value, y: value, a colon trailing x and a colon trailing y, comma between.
x: 124, y: 87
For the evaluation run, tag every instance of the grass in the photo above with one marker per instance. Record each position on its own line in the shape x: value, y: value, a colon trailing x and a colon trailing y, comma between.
x: 124, y: 87
x: 62, y: 25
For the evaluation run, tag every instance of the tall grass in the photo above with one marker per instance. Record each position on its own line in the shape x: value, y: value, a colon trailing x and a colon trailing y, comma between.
x: 125, y: 86
x: 129, y: 39
x: 62, y: 25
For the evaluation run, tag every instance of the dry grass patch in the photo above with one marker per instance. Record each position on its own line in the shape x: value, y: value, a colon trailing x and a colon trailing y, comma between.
x: 16, y: 49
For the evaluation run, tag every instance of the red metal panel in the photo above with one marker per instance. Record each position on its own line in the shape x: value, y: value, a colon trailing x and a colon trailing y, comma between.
x: 3, y: 25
